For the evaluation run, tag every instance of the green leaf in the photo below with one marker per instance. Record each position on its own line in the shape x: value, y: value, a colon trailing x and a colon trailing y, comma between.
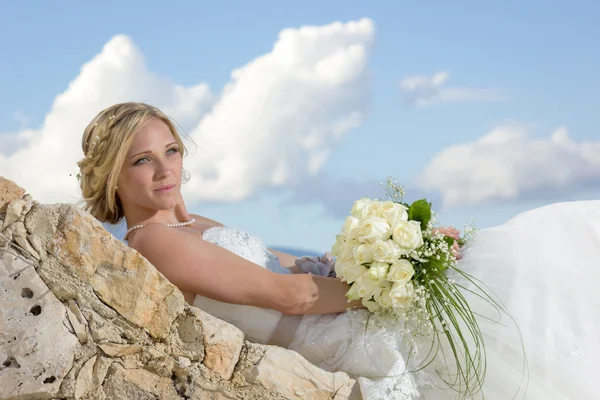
x: 450, y: 241
x: 435, y: 267
x: 420, y: 211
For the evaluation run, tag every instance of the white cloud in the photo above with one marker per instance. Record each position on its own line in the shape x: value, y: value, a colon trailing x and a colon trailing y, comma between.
x: 283, y: 112
x: 507, y: 165
x: 424, y: 91
x: 276, y: 120
x: 45, y: 158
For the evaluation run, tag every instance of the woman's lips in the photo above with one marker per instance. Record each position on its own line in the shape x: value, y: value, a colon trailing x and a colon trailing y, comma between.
x: 165, y: 189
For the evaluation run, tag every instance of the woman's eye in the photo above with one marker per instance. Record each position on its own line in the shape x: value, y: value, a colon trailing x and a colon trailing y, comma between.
x: 141, y: 161
x: 173, y: 150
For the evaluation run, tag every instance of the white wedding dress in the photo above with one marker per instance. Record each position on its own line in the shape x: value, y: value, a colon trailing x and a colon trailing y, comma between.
x: 543, y: 265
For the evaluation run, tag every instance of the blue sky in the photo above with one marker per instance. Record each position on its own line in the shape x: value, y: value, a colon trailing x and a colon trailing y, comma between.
x: 523, y: 71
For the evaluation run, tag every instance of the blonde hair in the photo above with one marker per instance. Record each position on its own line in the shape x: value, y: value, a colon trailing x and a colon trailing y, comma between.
x: 105, y: 143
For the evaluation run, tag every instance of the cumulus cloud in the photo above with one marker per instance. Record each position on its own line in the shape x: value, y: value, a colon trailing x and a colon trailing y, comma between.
x: 421, y: 91
x: 508, y: 164
x: 44, y: 160
x: 275, y: 121
x: 283, y: 112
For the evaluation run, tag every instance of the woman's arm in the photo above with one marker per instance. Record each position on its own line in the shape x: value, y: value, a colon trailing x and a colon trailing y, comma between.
x: 287, y: 261
x: 200, y: 267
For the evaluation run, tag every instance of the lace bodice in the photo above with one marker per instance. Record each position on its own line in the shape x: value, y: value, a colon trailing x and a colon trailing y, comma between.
x: 244, y: 245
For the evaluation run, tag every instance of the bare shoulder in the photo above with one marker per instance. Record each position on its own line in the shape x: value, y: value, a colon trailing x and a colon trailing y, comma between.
x: 206, y: 220
x: 148, y: 236
x: 196, y: 266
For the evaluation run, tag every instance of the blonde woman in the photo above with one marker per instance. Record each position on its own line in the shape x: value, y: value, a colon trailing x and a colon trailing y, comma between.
x: 133, y: 169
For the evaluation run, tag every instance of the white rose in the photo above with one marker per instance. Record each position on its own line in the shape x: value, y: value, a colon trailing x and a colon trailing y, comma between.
x: 349, y: 271
x: 336, y: 249
x: 350, y: 226
x: 401, y: 295
x: 408, y: 235
x: 363, y: 254
x: 360, y: 208
x: 384, y: 299
x: 393, y: 212
x: 347, y: 252
x: 352, y: 240
x: 352, y: 293
x: 386, y: 251
x: 401, y: 272
x: 371, y: 305
x: 366, y: 287
x: 374, y: 229
x: 378, y: 271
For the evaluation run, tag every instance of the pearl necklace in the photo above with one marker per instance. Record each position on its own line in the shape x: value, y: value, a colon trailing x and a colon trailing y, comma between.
x: 178, y: 224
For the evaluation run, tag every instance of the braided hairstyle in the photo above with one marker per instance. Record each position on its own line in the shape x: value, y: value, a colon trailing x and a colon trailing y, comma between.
x: 105, y: 143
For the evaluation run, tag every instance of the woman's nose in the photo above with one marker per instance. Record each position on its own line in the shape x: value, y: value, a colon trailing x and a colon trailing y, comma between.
x: 163, y: 171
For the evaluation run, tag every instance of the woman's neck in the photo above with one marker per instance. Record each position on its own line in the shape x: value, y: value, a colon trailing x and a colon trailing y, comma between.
x: 141, y: 216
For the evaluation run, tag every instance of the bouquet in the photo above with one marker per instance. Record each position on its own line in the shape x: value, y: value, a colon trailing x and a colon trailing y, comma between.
x: 399, y: 264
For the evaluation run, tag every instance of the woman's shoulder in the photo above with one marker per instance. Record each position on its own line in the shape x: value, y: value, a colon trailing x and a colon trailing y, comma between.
x: 156, y: 231
x: 206, y: 221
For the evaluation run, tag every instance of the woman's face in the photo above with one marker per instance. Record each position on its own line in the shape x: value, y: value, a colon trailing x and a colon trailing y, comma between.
x: 151, y: 174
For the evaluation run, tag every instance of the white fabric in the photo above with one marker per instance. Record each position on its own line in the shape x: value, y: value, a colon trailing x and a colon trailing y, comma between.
x: 543, y: 265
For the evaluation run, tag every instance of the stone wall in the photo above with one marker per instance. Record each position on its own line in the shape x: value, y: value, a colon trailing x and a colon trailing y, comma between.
x: 83, y: 316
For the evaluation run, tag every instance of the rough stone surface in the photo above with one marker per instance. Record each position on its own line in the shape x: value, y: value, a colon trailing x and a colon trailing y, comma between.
x: 85, y: 378
x: 222, y: 344
x: 83, y: 316
x: 121, y: 278
x: 36, y: 348
x: 288, y: 373
x: 138, y: 384
x: 9, y: 191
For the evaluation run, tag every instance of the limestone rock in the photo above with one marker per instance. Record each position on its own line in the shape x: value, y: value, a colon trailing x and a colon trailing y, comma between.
x: 85, y: 378
x: 83, y: 316
x: 286, y: 372
x: 121, y: 278
x: 36, y: 347
x: 77, y: 322
x: 120, y: 350
x: 222, y: 344
x: 14, y: 210
x: 138, y: 384
x: 9, y: 191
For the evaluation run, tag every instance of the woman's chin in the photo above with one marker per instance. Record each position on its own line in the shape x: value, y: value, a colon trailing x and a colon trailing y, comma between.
x: 165, y: 203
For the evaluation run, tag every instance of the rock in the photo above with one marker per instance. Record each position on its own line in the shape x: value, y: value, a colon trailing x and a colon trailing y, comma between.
x: 212, y: 391
x: 121, y: 278
x: 36, y: 347
x: 79, y: 327
x: 137, y: 384
x: 120, y: 350
x: 222, y: 344
x: 83, y: 316
x: 14, y: 209
x: 197, y: 383
x: 9, y: 191
x: 286, y: 372
x: 187, y: 338
x: 85, y: 378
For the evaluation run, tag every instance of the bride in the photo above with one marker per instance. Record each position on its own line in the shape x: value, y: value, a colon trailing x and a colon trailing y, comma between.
x: 541, y: 265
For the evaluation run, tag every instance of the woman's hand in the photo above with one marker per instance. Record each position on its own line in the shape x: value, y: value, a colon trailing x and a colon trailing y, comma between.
x: 454, y: 234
